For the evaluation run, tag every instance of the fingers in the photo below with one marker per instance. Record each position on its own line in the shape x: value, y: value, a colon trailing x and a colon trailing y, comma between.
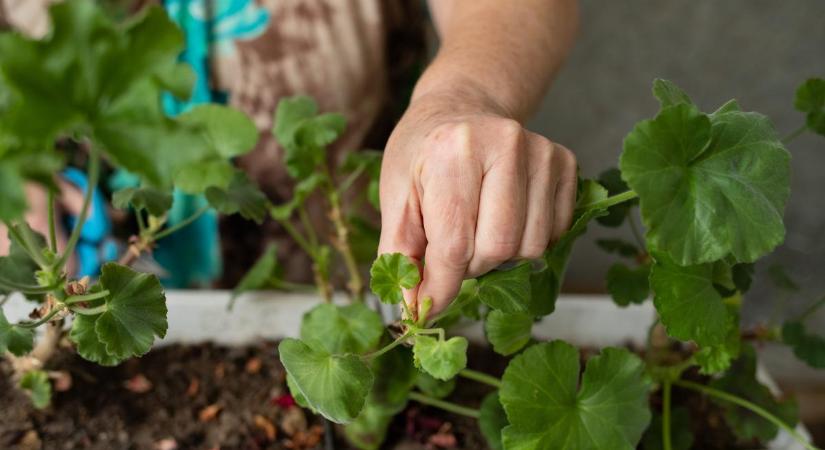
x: 541, y: 193
x: 449, y: 206
x: 564, y: 203
x: 502, y: 203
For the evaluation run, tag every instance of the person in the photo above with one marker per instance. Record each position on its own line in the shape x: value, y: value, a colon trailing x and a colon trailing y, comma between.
x: 464, y: 186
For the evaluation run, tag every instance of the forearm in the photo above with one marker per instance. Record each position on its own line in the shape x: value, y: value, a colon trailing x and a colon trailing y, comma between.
x: 498, y: 55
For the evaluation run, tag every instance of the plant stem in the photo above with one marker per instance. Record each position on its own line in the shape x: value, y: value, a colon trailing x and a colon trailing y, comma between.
x: 92, y: 174
x: 610, y: 201
x: 85, y: 297
x: 26, y: 240
x: 296, y: 236
x: 183, y: 223
x: 794, y: 134
x: 24, y: 288
x: 89, y: 311
x: 347, y: 183
x: 307, y: 223
x: 445, y: 405
x: 36, y: 324
x: 634, y: 227
x: 140, y: 221
x: 388, y: 347
x: 812, y: 309
x: 52, y: 224
x: 756, y: 409
x: 666, y: 388
x: 481, y: 377
x: 355, y: 284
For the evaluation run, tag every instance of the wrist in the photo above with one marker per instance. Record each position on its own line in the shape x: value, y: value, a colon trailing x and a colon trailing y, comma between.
x: 457, y: 95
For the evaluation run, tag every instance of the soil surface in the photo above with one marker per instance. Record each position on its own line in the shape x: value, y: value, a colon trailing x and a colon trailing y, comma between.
x: 209, y: 397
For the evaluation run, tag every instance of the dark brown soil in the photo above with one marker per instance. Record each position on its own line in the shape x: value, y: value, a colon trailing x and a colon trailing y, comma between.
x: 208, y: 397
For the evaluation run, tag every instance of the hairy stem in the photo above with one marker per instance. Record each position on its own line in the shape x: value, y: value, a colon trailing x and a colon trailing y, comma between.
x: 89, y: 311
x: 388, y: 347
x: 43, y: 320
x: 25, y: 239
x: 794, y: 134
x: 85, y: 297
x: 356, y: 283
x: 610, y: 201
x: 756, y: 409
x: 92, y: 174
x: 666, y: 442
x: 480, y: 377
x: 24, y: 288
x: 445, y: 405
x: 52, y: 224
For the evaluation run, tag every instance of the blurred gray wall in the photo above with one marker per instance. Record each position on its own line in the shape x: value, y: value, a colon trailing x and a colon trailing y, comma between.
x: 754, y: 51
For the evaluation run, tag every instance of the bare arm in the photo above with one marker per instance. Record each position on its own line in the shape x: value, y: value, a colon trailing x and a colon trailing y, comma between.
x: 464, y: 186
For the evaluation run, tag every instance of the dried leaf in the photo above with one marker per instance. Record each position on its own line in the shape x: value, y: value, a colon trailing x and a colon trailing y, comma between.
x: 210, y: 412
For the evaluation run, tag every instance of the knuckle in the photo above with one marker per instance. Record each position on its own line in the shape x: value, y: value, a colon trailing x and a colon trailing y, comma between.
x: 565, y: 156
x: 498, y: 250
x: 456, y: 252
x: 532, y: 251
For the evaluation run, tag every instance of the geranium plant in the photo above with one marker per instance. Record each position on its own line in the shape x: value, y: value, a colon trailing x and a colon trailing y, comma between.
x: 94, y: 86
x: 711, y: 189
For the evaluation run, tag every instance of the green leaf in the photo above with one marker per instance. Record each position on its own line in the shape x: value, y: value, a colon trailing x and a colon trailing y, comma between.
x: 618, y: 246
x: 669, y: 94
x: 395, y: 376
x: 369, y: 429
x: 441, y: 359
x: 508, y: 332
x: 18, y: 267
x: 628, y: 285
x: 806, y: 346
x: 155, y: 201
x: 261, y: 273
x: 88, y: 344
x: 492, y: 420
x: 241, y: 196
x: 434, y: 387
x: 18, y: 167
x: 230, y: 132
x: 303, y: 189
x: 611, y: 180
x: 178, y: 79
x: 135, y: 311
x: 334, y: 385
x: 688, y: 304
x: 18, y: 341
x: 36, y: 383
x: 304, y: 135
x: 680, y: 431
x: 709, y: 187
x: 718, y: 358
x: 549, y: 409
x: 198, y: 177
x: 390, y: 273
x: 342, y: 329
x: 742, y: 276
x: 741, y: 381
x: 506, y: 290
x: 296, y: 393
x: 810, y: 99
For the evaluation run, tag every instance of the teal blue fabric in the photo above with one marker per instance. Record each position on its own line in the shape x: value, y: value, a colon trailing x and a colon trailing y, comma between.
x: 192, y: 256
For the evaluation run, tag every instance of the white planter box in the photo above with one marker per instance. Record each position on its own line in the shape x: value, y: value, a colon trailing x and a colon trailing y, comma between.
x: 583, y: 320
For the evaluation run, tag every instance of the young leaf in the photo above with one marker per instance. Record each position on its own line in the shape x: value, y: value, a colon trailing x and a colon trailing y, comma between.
x: 680, y: 431
x: 36, y: 383
x: 334, y: 385
x: 135, y: 311
x: 391, y: 273
x: 508, y: 332
x: 810, y: 99
x: 549, y: 409
x: 18, y: 341
x: 230, y: 132
x: 241, y: 196
x: 441, y: 359
x: 628, y: 285
x: 741, y: 381
x: 434, y: 387
x: 304, y: 135
x: 506, y: 290
x: 688, y: 304
x: 806, y: 346
x: 703, y: 182
x: 342, y: 329
x: 155, y: 201
x: 260, y: 274
x: 669, y: 94
x: 492, y: 420
x: 618, y: 246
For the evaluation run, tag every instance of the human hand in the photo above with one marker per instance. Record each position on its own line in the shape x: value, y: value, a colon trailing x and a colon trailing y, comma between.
x: 465, y: 188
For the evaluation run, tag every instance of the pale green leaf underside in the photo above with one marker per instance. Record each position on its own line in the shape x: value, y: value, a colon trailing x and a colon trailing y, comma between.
x: 441, y: 359
x: 508, y: 332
